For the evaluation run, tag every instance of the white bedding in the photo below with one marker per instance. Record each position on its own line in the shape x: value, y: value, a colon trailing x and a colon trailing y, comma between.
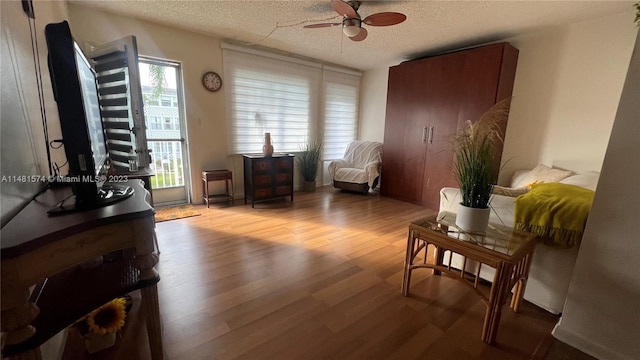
x: 551, y: 267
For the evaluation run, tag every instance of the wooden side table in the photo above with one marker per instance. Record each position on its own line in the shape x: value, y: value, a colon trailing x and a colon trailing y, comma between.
x: 509, y: 252
x: 57, y: 244
x: 144, y: 174
x: 217, y: 175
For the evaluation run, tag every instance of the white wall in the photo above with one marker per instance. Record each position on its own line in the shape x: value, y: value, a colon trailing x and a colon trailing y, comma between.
x: 22, y: 129
x: 205, y: 112
x: 568, y: 82
x: 373, y: 104
x: 602, y: 315
x: 24, y: 150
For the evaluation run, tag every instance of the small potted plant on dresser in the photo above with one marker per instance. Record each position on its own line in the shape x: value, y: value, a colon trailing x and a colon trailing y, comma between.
x: 475, y: 166
x: 308, y: 160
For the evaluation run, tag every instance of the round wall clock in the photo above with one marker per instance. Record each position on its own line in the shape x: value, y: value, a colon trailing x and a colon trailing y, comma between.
x: 211, y: 81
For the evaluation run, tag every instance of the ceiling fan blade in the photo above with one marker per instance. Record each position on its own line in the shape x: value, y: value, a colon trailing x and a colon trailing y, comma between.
x: 322, y: 25
x: 361, y: 35
x: 384, y: 19
x: 343, y: 9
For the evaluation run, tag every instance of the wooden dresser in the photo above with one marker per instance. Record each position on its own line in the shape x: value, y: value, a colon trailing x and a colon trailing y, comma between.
x: 267, y: 177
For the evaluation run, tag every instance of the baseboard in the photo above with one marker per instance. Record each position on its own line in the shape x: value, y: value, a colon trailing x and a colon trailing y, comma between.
x: 586, y: 345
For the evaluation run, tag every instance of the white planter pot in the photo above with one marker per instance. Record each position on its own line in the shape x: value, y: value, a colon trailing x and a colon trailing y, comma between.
x: 472, y: 219
x: 95, y: 342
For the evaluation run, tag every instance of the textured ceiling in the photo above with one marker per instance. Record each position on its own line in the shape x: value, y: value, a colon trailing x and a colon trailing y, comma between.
x: 431, y: 26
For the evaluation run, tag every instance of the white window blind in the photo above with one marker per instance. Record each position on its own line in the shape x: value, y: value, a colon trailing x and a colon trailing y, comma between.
x: 269, y: 95
x: 341, y: 94
x: 290, y: 98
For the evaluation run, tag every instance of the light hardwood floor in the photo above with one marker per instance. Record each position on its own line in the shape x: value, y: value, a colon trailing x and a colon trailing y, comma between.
x: 318, y: 278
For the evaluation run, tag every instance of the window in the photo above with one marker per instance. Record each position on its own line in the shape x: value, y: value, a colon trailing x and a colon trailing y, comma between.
x: 168, y: 123
x: 340, y: 93
x: 286, y: 97
x: 155, y: 123
x: 166, y: 101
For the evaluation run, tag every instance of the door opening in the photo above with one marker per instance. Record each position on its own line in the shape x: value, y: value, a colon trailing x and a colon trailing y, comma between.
x: 166, y: 130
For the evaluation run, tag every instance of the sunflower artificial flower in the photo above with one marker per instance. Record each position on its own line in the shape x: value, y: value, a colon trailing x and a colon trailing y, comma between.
x: 108, y: 318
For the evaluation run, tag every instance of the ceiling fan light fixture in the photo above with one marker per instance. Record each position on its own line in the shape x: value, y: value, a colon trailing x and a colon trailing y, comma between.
x: 351, y: 27
x: 352, y: 22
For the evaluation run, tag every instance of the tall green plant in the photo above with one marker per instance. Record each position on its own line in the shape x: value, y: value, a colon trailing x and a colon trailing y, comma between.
x: 158, y: 80
x: 475, y: 148
x: 309, y: 157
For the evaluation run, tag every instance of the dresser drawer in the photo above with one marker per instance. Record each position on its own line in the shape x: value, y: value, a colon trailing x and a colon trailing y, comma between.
x: 264, y: 193
x: 262, y: 165
x: 283, y: 190
x: 261, y: 180
x: 285, y: 164
x: 283, y: 178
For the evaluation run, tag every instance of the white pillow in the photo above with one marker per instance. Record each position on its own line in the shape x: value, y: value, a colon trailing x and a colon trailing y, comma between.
x: 542, y: 173
x: 518, y: 177
x: 507, y: 191
x: 588, y: 180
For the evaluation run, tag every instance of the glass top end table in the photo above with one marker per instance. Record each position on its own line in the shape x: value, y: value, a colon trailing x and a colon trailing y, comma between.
x: 502, y: 248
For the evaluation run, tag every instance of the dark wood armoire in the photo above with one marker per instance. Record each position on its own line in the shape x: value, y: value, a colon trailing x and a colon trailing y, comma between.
x: 428, y: 100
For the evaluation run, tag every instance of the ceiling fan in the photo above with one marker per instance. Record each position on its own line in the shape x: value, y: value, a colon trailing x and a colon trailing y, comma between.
x: 352, y: 22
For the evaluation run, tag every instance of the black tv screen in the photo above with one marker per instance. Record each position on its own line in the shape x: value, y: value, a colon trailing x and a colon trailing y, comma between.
x: 91, y: 104
x: 75, y: 90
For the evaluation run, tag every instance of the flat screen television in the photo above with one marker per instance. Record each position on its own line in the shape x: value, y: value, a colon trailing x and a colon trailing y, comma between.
x: 75, y: 90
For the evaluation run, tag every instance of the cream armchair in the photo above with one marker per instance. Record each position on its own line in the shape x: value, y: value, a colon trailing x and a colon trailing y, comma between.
x: 359, y: 169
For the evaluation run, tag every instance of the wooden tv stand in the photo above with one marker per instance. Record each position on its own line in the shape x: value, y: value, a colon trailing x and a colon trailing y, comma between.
x: 42, y: 249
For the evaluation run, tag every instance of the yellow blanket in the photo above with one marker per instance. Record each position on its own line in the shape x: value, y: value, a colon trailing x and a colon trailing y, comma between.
x: 554, y: 211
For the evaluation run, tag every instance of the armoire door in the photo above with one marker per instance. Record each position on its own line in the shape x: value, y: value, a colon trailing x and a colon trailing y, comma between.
x: 405, y: 135
x: 489, y: 74
x: 444, y: 84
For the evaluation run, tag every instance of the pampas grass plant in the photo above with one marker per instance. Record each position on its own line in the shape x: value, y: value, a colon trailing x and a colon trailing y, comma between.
x: 475, y: 148
x: 309, y: 157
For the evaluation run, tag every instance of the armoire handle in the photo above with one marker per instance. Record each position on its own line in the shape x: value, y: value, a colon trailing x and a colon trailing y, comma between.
x: 424, y: 134
x: 431, y: 135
